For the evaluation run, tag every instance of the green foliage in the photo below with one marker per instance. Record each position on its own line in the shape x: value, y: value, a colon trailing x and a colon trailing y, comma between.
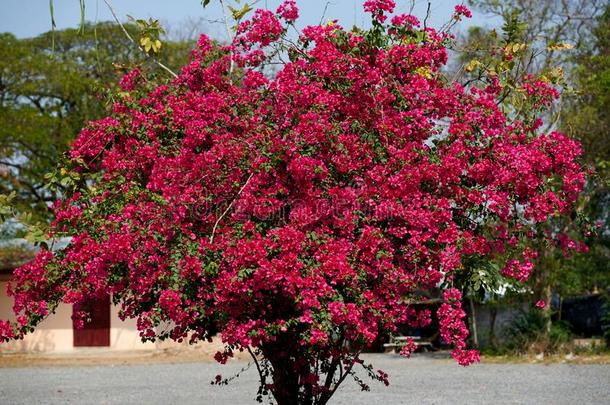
x: 584, y: 272
x: 588, y: 119
x: 589, y: 114
x: 50, y: 86
x: 150, y: 32
x: 6, y: 203
x: 514, y: 27
x: 536, y: 38
x: 240, y: 13
x: 527, y: 333
x: 481, y: 279
x: 541, y: 38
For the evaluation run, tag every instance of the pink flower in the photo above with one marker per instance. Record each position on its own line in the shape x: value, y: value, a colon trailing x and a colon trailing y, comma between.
x: 518, y: 270
x: 540, y: 304
x: 408, y: 348
x: 405, y: 20
x: 318, y: 337
x: 462, y: 10
x: 453, y: 328
x: 466, y: 357
x: 129, y: 81
x: 6, y: 331
x: 263, y: 29
x: 288, y: 11
x: 379, y: 8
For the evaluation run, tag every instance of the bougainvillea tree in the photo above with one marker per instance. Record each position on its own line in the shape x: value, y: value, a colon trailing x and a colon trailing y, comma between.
x: 298, y: 214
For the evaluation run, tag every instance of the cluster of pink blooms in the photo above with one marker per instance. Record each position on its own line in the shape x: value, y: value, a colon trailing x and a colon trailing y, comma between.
x: 263, y: 29
x: 519, y: 270
x: 6, y: 330
x: 379, y: 9
x: 297, y: 213
x: 408, y: 348
x: 288, y: 11
x: 462, y: 10
x: 129, y: 81
x: 405, y: 20
x: 454, y: 329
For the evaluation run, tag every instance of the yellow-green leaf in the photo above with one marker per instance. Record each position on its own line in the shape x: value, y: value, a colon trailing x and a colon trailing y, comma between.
x: 424, y: 71
x: 472, y: 65
x: 238, y: 14
x: 559, y: 46
x: 156, y: 46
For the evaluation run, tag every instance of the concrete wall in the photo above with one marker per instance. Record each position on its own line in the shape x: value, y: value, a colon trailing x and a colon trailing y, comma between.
x: 55, y: 333
x: 504, y: 316
x: 124, y: 335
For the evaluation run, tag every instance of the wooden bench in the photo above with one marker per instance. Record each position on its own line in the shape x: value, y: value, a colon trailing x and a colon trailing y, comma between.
x: 398, y: 342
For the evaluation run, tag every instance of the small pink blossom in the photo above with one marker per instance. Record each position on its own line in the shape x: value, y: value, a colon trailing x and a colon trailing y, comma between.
x: 288, y: 11
x: 405, y: 20
x: 129, y: 81
x: 408, y: 348
x: 462, y: 10
x: 379, y: 8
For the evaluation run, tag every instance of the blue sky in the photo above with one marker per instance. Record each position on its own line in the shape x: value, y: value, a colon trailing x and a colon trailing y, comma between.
x: 26, y: 18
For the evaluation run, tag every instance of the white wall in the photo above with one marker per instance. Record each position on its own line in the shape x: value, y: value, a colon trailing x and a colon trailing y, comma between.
x: 55, y: 333
x: 124, y: 335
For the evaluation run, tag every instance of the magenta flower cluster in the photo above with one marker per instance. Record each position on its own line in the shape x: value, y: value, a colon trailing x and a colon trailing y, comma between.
x: 298, y: 213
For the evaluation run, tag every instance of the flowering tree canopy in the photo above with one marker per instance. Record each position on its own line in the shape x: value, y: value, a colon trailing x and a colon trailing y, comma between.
x: 299, y: 213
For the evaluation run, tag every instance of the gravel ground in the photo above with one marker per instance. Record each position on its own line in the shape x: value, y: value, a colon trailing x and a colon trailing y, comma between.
x: 420, y: 380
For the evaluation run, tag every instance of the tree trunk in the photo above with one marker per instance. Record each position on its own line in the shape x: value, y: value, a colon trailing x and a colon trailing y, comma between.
x: 285, y: 382
x: 473, y: 316
x: 542, y: 287
x: 293, y: 374
x: 492, y: 326
x: 288, y: 370
x: 548, y: 296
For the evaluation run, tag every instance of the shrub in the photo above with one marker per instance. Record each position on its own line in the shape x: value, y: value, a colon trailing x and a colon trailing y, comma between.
x: 298, y: 213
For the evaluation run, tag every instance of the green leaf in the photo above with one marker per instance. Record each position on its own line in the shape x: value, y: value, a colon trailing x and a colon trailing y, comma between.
x: 238, y: 14
x: 36, y: 234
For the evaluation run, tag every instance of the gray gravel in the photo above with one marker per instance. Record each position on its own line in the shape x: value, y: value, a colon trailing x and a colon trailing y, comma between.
x: 420, y: 380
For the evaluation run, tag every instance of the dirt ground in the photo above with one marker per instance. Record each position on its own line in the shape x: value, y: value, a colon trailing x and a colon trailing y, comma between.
x: 205, y: 353
x: 96, y: 357
x: 603, y: 358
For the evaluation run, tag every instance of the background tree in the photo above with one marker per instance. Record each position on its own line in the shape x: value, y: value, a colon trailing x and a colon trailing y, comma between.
x: 539, y: 34
x: 545, y: 39
x: 50, y: 86
x: 588, y: 118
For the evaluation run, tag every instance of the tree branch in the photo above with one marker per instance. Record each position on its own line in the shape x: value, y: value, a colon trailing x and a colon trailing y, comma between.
x: 426, y: 20
x: 258, y: 367
x: 229, y: 37
x: 229, y: 207
x: 171, y: 72
x: 345, y: 374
